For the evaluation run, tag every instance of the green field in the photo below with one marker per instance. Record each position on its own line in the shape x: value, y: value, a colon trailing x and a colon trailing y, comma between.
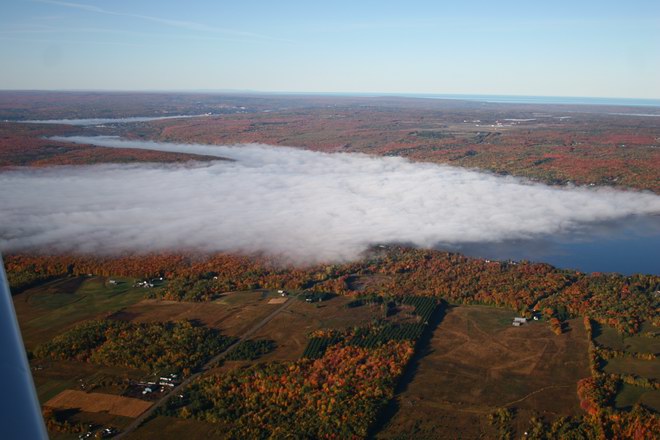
x: 245, y: 297
x: 631, y: 394
x: 49, y: 309
x: 489, y: 318
x: 639, y: 343
x: 638, y: 367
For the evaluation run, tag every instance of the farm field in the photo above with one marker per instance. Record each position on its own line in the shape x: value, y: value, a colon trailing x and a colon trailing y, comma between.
x: 53, y: 377
x: 629, y: 395
x: 639, y: 343
x: 638, y: 367
x: 54, y: 307
x: 99, y: 402
x: 232, y: 314
x: 476, y: 362
x: 49, y: 309
x: 290, y: 329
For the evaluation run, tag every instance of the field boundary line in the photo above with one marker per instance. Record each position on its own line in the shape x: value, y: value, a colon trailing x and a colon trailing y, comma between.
x: 540, y: 390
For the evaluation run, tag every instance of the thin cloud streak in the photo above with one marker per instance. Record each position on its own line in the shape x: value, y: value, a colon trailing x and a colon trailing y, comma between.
x: 83, y: 42
x: 181, y: 24
x: 301, y: 205
x: 43, y: 30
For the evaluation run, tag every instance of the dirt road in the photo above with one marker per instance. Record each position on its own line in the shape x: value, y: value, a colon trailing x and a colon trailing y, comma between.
x: 210, y: 364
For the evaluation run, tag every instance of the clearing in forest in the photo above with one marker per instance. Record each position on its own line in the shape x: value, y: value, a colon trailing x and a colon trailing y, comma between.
x: 476, y: 362
x: 99, y: 402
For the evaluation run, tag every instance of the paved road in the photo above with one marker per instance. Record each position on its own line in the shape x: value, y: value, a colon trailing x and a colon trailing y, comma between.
x: 210, y: 364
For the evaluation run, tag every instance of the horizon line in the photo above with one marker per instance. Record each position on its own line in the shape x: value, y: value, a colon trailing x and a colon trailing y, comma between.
x: 413, y: 95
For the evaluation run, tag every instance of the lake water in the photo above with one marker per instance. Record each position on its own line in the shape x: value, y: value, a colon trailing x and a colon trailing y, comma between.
x: 103, y: 121
x: 626, y: 246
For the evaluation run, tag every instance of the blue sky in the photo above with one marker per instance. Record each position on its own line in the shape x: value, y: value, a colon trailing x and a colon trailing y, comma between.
x: 561, y: 48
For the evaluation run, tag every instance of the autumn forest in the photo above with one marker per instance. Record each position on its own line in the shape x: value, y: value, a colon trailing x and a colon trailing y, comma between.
x: 401, y: 342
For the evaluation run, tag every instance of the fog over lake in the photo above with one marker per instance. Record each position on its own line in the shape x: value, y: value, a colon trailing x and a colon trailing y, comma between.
x: 311, y: 207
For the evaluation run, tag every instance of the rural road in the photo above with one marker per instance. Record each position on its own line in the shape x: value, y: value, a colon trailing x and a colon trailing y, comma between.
x: 217, y: 358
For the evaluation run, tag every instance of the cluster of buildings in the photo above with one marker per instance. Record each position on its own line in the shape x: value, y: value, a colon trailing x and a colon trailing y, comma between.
x: 159, y: 385
x: 102, y: 433
x: 147, y: 284
x: 519, y: 321
x: 169, y: 381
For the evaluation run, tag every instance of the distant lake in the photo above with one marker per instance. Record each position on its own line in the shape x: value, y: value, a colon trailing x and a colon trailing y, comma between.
x: 627, y: 246
x: 102, y: 121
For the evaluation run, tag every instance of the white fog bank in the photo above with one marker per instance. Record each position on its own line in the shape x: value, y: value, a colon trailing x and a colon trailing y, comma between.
x: 303, y: 205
